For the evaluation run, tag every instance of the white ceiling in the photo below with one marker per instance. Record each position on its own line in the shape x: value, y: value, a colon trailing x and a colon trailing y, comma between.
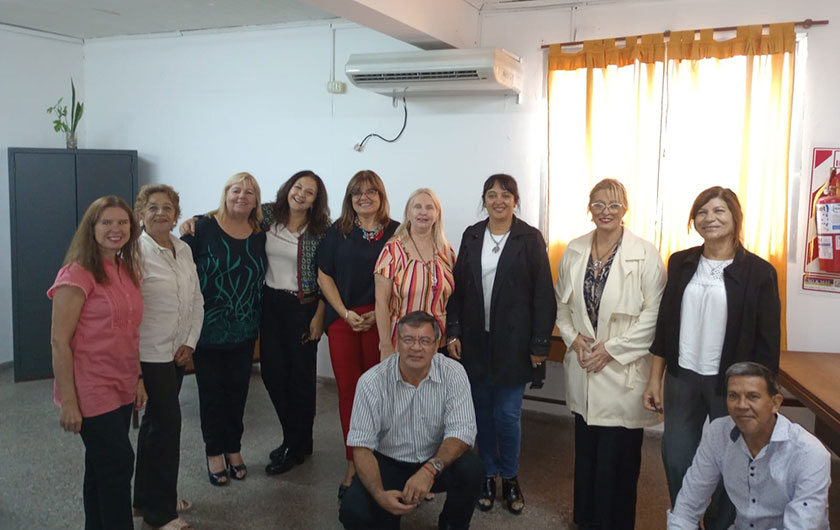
x: 107, y: 18
x: 87, y: 19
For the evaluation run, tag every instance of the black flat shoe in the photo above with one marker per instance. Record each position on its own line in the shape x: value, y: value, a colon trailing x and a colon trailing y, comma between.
x: 220, y: 478
x: 285, y: 461
x: 234, y: 471
x: 514, y: 500
x: 488, y: 494
x: 275, y: 453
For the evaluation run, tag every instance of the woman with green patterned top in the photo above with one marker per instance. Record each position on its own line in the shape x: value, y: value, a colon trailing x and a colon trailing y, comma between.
x: 229, y: 252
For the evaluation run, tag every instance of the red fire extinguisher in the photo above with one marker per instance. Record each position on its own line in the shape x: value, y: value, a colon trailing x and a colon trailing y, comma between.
x: 828, y: 225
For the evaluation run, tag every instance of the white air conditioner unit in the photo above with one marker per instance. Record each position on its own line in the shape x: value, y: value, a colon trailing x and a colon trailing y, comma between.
x: 437, y: 72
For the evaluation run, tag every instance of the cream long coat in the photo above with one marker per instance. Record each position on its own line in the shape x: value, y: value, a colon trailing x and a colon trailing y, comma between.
x: 626, y: 324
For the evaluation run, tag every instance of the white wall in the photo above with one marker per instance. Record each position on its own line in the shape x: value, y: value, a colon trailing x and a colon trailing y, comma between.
x: 200, y: 107
x: 36, y: 72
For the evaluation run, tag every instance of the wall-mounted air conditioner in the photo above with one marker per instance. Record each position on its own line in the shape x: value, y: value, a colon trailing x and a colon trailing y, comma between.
x: 437, y: 72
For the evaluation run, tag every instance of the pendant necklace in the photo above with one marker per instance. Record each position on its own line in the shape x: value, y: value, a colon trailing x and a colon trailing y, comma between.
x: 499, y: 242
x: 598, y: 262
x: 432, y: 269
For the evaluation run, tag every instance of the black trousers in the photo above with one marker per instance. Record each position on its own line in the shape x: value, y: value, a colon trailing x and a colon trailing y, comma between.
x: 287, y: 364
x: 607, y: 462
x: 109, y: 464
x: 223, y: 376
x: 159, y: 444
x: 461, y: 481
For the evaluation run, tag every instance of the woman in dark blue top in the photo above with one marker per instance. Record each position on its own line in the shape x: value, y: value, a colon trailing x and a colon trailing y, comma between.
x: 345, y: 273
x: 229, y: 252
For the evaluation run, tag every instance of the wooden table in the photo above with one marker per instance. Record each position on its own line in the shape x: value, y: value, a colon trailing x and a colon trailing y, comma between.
x: 814, y: 378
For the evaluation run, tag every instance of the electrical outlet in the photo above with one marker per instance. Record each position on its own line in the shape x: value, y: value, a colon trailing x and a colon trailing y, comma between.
x: 336, y: 87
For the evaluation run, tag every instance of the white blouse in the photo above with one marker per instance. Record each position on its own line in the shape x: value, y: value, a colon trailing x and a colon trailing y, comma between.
x: 173, y: 308
x: 281, y: 248
x: 703, y: 318
x: 489, y: 263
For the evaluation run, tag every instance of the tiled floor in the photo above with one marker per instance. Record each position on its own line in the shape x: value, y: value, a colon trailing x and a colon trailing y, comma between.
x: 41, y: 471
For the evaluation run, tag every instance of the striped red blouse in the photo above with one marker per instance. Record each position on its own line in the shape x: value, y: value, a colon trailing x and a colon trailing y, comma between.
x: 417, y: 286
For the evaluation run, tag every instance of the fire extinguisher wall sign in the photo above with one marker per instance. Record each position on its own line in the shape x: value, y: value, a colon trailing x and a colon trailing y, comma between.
x: 822, y: 253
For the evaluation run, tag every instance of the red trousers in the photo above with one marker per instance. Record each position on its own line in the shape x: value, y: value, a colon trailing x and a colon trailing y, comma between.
x: 352, y: 354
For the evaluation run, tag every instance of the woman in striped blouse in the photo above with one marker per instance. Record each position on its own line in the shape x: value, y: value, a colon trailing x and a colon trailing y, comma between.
x: 414, y: 269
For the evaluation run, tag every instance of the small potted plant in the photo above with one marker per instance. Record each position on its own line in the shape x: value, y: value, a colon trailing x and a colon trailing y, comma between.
x: 60, y: 124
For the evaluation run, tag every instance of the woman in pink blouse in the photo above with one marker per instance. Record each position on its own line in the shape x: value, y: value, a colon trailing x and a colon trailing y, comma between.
x: 414, y: 270
x: 97, y: 308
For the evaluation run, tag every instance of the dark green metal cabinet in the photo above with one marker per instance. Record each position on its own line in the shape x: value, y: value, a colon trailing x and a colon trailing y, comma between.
x: 49, y: 191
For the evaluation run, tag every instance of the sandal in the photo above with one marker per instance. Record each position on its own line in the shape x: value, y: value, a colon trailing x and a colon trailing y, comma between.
x: 234, y: 471
x: 219, y: 478
x: 174, y: 524
x: 183, y: 505
x: 513, y: 495
x: 488, y: 494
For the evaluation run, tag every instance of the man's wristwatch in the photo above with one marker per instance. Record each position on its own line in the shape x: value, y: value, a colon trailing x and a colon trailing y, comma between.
x: 437, y: 464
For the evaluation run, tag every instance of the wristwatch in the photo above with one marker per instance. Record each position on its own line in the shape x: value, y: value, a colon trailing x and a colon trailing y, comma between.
x: 437, y: 464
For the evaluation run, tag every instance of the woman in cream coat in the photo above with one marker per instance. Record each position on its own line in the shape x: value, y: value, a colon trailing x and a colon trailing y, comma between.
x: 608, y: 290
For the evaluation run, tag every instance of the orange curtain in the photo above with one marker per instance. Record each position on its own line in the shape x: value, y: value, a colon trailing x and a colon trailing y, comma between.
x: 669, y: 120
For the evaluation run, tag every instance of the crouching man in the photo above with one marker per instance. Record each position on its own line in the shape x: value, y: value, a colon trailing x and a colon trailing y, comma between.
x: 775, y: 472
x: 411, y: 430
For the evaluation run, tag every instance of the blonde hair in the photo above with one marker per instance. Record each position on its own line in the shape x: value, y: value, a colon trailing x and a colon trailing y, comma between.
x: 438, y: 235
x: 256, y: 216
x: 85, y: 251
x: 614, y: 188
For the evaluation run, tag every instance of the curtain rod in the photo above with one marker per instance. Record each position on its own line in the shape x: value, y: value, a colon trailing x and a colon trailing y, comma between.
x: 807, y: 23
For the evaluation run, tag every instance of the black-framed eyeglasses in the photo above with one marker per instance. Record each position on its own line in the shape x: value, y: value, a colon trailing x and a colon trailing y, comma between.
x: 598, y: 207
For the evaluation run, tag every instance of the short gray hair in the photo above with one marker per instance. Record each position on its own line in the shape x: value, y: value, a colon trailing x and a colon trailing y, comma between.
x: 751, y: 369
x: 416, y: 319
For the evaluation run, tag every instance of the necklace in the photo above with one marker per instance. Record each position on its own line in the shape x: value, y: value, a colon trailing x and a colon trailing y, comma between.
x: 497, y: 242
x: 716, y: 271
x: 432, y: 269
x: 369, y: 235
x: 598, y: 262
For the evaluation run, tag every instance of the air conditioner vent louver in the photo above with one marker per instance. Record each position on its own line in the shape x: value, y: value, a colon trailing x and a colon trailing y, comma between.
x: 437, y: 72
x: 449, y: 75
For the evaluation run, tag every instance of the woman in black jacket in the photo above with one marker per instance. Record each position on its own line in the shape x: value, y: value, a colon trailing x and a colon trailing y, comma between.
x: 499, y: 322
x: 720, y: 306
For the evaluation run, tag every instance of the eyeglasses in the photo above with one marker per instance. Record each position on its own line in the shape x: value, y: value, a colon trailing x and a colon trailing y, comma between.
x: 369, y: 193
x: 411, y: 341
x: 598, y: 207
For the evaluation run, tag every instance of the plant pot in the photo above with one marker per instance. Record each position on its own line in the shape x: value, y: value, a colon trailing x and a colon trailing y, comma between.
x: 72, y: 141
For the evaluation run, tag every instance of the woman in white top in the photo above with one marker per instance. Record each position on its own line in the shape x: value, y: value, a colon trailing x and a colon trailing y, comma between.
x: 608, y: 288
x: 173, y: 310
x: 293, y: 312
x: 720, y: 306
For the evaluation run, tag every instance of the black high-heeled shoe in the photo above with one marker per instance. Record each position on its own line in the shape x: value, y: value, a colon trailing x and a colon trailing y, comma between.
x: 234, y: 471
x: 219, y: 478
x: 488, y: 495
x: 514, y: 500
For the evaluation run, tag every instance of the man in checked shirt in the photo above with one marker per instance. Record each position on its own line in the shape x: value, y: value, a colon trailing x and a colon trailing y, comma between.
x: 775, y: 472
x: 411, y: 429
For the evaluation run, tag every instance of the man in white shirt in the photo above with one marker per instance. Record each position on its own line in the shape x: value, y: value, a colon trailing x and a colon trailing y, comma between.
x: 411, y: 429
x: 775, y: 472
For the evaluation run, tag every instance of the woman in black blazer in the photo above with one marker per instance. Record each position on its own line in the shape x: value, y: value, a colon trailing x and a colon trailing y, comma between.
x: 720, y: 306
x: 499, y: 322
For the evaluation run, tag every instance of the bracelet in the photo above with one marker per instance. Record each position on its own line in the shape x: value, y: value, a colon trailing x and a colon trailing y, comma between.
x: 346, y: 314
x: 451, y: 341
x: 428, y: 467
